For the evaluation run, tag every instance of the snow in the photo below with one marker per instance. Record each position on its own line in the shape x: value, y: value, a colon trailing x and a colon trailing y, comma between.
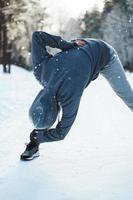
x: 94, y: 162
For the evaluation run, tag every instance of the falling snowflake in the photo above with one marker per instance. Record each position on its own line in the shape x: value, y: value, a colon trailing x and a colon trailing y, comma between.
x: 118, y: 77
x: 23, y: 48
x: 69, y: 78
x: 42, y: 21
x: 44, y: 83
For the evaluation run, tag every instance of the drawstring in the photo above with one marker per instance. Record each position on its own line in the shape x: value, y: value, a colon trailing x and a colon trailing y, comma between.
x: 59, y: 117
x: 59, y: 112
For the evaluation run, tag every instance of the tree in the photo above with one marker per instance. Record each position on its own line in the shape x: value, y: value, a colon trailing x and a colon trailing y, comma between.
x: 72, y: 29
x: 91, y: 23
x: 5, y: 46
x: 117, y: 29
x: 114, y: 25
x: 26, y: 16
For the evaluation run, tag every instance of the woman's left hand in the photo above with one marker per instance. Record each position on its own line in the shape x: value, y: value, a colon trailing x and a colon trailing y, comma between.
x: 80, y: 42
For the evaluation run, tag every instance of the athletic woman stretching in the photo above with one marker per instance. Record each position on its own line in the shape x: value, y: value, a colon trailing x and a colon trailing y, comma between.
x: 64, y: 77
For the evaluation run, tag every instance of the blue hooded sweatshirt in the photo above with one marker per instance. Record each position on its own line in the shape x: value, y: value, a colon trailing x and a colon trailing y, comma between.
x: 64, y: 77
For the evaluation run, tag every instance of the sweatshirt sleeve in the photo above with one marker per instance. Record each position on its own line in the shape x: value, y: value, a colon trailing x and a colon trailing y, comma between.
x: 40, y: 40
x: 69, y: 113
x: 55, y: 41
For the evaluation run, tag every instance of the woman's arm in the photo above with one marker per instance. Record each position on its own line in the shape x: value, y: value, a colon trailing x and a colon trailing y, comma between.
x: 69, y: 110
x: 40, y: 40
x: 55, y: 41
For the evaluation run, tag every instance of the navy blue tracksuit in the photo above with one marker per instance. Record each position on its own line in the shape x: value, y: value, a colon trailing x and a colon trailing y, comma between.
x: 64, y: 77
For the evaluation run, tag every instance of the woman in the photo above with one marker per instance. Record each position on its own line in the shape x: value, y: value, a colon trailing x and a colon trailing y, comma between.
x: 64, y: 77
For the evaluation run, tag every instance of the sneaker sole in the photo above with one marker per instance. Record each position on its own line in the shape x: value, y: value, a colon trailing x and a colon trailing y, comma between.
x: 32, y: 157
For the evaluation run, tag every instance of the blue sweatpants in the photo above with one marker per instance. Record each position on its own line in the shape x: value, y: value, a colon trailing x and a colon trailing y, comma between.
x: 115, y: 75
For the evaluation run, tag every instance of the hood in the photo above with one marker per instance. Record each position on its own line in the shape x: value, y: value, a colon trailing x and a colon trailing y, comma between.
x: 44, y: 109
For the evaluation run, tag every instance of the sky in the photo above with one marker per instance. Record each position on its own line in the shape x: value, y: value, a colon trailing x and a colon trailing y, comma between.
x: 73, y: 7
x: 60, y: 11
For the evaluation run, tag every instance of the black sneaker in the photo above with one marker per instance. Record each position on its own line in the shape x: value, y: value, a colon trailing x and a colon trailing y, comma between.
x: 31, y: 151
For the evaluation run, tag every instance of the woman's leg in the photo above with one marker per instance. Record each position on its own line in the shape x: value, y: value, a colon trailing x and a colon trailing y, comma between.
x: 115, y: 75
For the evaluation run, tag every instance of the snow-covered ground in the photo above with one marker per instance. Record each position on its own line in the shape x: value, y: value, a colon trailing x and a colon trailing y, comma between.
x: 94, y: 162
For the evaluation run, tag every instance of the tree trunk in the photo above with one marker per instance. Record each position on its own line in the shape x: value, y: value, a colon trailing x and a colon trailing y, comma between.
x: 4, y: 54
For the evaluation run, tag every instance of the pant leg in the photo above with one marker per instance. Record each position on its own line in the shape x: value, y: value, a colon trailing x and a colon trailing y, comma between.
x: 115, y: 75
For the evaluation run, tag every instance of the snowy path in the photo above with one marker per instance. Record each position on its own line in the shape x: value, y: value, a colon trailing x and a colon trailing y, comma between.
x: 94, y: 162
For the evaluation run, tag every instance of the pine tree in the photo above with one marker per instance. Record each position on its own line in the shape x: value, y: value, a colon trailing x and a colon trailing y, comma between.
x: 117, y: 29
x: 91, y: 23
x: 114, y: 25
